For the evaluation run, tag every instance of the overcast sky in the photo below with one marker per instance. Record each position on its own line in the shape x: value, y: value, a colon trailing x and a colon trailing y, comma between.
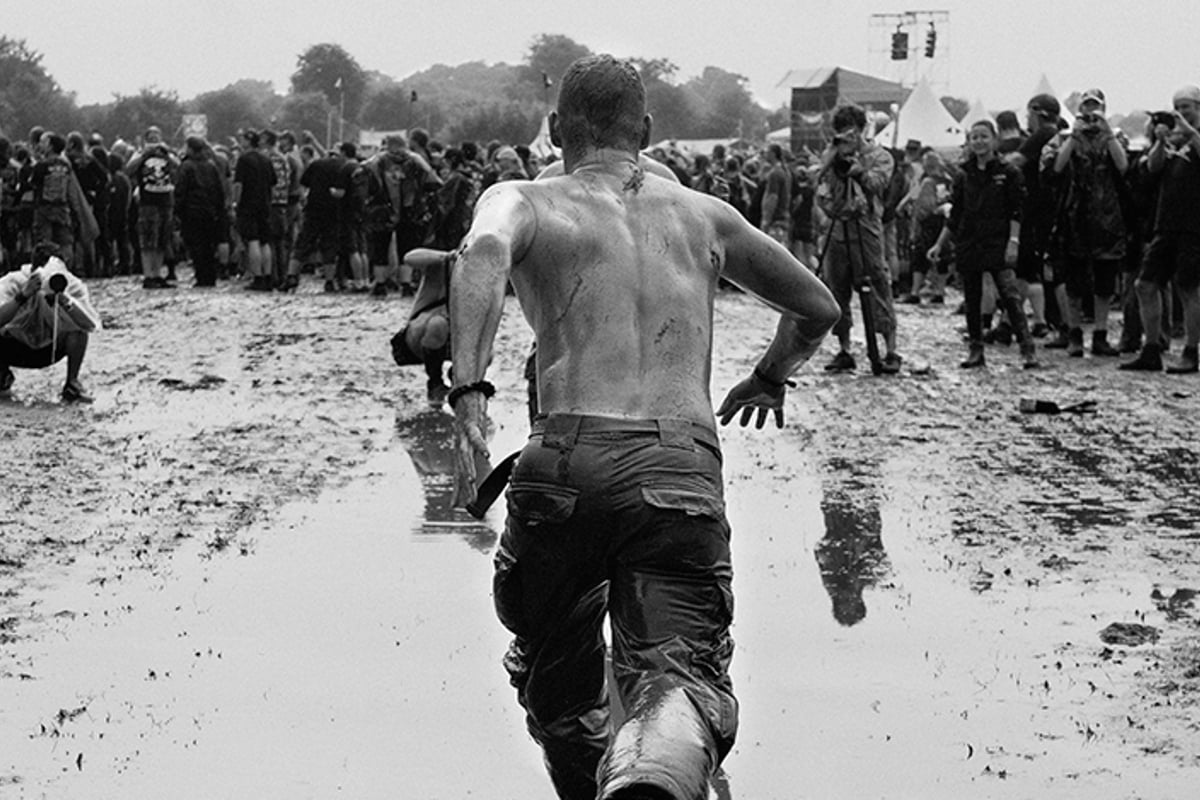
x: 1139, y: 53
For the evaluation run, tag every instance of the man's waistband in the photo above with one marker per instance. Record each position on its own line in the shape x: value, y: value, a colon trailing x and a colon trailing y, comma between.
x: 563, y: 429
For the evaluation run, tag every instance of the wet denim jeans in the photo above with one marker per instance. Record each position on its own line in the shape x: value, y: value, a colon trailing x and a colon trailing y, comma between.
x: 624, y: 518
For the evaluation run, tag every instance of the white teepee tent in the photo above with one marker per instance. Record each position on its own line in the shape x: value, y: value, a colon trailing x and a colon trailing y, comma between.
x: 977, y: 112
x: 922, y: 118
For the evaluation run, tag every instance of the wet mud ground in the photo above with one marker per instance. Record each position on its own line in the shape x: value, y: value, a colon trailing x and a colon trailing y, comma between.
x: 235, y: 575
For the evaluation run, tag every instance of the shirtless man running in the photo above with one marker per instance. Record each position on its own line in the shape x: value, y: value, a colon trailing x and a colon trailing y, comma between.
x: 616, y: 504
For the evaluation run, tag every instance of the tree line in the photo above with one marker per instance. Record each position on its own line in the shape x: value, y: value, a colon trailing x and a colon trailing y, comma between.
x: 331, y: 93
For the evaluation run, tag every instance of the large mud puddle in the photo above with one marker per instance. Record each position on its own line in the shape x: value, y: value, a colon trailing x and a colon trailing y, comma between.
x: 347, y: 648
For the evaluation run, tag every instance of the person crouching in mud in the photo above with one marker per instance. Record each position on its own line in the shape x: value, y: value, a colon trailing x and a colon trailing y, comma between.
x: 425, y: 337
x: 46, y: 314
x: 616, y: 503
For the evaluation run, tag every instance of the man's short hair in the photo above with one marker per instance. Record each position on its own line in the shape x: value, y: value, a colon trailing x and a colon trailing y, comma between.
x: 55, y: 142
x: 775, y: 150
x: 1007, y: 121
x: 849, y: 116
x: 348, y: 149
x: 42, y: 253
x: 251, y: 136
x: 269, y: 137
x: 419, y: 137
x: 601, y: 103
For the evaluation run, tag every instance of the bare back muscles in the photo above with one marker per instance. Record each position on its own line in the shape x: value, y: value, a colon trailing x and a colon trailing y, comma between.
x: 616, y: 270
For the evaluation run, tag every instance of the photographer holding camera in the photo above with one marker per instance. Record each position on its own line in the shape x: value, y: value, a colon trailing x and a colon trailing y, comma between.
x: 1091, y: 228
x: 45, y: 314
x: 1174, y: 251
x: 854, y: 174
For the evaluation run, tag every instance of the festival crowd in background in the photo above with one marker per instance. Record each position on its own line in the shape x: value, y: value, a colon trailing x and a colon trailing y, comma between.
x: 1044, y: 227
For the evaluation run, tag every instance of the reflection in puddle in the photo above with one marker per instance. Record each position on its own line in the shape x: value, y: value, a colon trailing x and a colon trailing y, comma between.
x: 428, y: 438
x: 851, y: 554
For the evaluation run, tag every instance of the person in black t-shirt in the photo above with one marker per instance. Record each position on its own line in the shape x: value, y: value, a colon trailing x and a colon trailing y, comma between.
x: 1037, y: 211
x: 253, y: 178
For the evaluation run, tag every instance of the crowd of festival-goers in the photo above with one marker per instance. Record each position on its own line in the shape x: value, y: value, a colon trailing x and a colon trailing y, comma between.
x: 1042, y: 227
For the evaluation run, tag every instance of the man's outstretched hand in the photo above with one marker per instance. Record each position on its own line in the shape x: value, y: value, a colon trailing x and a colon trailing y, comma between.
x: 749, y: 396
x: 470, y: 446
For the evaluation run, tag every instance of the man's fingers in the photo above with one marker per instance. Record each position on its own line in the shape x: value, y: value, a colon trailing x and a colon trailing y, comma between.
x: 762, y: 418
x: 747, y: 413
x: 475, y: 437
x: 779, y: 417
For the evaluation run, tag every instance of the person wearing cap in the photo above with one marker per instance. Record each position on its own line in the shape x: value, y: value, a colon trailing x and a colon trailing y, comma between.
x: 1089, y: 163
x: 41, y: 290
x: 153, y: 171
x: 1174, y: 251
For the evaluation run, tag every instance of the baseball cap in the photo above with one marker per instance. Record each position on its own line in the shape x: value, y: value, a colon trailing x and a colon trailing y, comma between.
x: 1045, y: 105
x: 1092, y: 96
x: 1188, y: 93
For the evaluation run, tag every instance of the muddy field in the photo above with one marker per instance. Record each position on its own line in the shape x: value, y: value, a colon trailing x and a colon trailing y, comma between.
x: 235, y: 576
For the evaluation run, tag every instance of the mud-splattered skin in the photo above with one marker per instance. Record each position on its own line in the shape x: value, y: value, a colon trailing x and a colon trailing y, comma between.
x: 616, y: 269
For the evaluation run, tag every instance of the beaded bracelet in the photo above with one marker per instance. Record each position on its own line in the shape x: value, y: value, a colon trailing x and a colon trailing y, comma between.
x: 483, y: 387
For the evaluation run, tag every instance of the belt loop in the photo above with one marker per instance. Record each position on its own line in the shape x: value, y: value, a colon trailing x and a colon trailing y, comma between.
x: 676, y: 433
x: 561, y: 432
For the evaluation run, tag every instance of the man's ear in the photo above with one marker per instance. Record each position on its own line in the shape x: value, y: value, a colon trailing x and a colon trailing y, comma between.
x: 555, y: 136
x: 647, y: 124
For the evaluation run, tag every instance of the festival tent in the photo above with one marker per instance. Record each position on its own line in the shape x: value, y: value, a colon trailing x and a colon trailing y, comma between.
x: 976, y: 113
x: 541, y: 146
x: 925, y: 119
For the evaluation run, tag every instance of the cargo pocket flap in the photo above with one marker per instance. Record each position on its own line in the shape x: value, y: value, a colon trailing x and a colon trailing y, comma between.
x: 692, y: 502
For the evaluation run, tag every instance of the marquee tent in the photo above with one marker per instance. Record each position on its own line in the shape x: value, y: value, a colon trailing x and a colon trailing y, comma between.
x: 922, y: 118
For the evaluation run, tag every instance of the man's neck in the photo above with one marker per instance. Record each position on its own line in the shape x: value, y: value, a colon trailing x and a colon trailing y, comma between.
x: 599, y: 158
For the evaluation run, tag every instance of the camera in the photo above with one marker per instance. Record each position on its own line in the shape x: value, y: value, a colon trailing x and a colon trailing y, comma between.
x: 1166, y: 118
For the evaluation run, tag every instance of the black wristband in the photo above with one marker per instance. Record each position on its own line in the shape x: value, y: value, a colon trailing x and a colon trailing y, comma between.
x: 483, y: 387
x: 763, y: 378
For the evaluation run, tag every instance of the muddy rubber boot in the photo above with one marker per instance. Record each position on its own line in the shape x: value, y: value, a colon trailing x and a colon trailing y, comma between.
x: 1189, y: 361
x: 1149, y: 360
x: 1075, y: 343
x: 974, y: 358
x: 1100, y: 345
